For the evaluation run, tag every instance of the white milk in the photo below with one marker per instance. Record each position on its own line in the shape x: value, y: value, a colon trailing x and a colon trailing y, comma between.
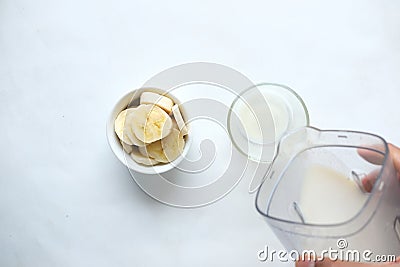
x: 263, y: 123
x: 259, y: 125
x: 328, y: 197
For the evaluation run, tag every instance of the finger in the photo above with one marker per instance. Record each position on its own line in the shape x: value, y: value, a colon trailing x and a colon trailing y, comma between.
x: 395, y: 152
x: 305, y: 264
x: 329, y: 263
x: 369, y: 180
x: 371, y: 156
x: 306, y: 260
x: 376, y: 158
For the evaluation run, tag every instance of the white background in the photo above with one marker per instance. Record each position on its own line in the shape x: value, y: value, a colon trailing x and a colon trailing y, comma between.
x: 65, y: 200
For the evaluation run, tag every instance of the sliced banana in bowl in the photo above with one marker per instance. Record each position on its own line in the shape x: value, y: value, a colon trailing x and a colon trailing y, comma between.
x: 173, y: 145
x: 139, y: 158
x: 150, y: 123
x: 156, y: 151
x: 152, y: 132
x: 161, y: 101
x: 179, y: 120
x: 127, y: 148
x: 123, y: 132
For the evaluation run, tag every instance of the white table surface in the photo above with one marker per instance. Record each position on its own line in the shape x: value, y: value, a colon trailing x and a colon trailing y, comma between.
x: 65, y: 200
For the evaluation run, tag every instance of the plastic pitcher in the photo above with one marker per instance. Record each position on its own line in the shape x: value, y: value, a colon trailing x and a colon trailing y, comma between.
x: 333, y: 189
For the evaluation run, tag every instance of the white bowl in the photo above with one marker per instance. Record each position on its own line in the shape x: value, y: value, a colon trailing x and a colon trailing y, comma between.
x: 132, y: 99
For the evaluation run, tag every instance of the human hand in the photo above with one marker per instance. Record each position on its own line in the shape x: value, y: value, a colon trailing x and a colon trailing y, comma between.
x: 374, y: 158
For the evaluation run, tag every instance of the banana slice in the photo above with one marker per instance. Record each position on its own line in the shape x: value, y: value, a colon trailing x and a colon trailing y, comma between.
x: 130, y: 117
x: 173, y: 145
x: 121, y: 128
x: 179, y: 120
x: 174, y: 125
x: 142, y: 150
x: 126, y: 147
x: 155, y: 150
x: 150, y: 123
x: 156, y: 99
x: 139, y: 158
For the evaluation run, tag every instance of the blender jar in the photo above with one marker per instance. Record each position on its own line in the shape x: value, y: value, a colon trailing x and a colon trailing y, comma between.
x: 332, y: 190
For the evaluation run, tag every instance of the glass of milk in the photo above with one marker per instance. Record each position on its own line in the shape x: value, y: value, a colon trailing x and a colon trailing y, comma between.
x: 259, y: 116
x: 326, y: 186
